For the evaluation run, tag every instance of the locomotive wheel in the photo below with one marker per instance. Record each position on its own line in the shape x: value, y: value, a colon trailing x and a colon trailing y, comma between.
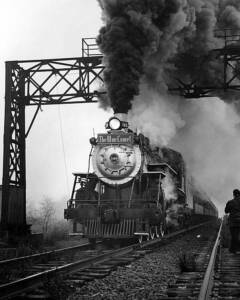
x: 162, y: 230
x: 142, y: 237
x: 152, y: 233
x: 157, y: 232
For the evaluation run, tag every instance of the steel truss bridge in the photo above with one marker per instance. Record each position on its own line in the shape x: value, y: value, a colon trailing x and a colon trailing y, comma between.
x: 66, y: 81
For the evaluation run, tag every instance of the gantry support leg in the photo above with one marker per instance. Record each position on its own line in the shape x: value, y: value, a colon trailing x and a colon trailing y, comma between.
x: 13, y: 204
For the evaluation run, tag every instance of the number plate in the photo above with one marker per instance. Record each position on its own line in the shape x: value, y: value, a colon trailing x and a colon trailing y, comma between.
x: 126, y: 138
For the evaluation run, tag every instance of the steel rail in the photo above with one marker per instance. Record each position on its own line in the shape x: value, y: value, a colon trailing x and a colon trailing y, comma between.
x: 31, y: 282
x: 173, y: 234
x: 43, y: 254
x: 208, y: 280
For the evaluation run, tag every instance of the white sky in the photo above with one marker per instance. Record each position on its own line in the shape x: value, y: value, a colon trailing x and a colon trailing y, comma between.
x: 51, y: 29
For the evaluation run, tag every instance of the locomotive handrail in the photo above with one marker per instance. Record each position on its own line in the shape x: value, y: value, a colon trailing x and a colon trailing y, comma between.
x: 89, y: 201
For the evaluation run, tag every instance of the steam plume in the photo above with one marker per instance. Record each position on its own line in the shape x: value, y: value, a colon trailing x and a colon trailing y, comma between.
x: 158, y: 117
x: 147, y: 44
x: 158, y: 41
x: 210, y: 145
x: 170, y: 195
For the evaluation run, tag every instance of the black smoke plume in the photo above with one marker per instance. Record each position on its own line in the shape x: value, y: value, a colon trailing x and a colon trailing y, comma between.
x: 131, y: 34
x: 157, y: 41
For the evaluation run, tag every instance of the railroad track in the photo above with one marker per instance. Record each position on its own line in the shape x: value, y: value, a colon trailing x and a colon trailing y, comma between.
x: 222, y: 279
x: 76, y: 273
x: 217, y: 275
x: 13, y: 269
x: 44, y: 255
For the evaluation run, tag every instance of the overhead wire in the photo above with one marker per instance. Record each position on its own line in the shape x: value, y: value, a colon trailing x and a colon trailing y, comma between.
x: 63, y: 148
x: 62, y: 142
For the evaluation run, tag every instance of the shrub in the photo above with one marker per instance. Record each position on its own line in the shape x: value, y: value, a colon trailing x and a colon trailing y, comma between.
x: 57, y: 287
x: 187, y: 262
x: 58, y: 232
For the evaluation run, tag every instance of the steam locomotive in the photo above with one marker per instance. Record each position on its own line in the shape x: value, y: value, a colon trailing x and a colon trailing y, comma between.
x: 135, y: 190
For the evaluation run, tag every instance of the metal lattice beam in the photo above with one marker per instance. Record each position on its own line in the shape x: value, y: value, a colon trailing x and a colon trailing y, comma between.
x: 14, y: 180
x: 38, y: 82
x: 230, y: 58
x: 227, y: 56
x: 58, y: 81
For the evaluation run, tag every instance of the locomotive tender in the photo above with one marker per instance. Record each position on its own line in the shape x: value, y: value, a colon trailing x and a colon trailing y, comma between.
x: 135, y: 190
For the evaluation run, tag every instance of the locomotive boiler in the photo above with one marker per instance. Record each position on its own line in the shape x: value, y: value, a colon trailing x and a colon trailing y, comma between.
x: 127, y: 193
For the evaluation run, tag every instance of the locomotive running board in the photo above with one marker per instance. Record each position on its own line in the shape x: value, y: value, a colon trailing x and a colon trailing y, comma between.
x: 141, y: 233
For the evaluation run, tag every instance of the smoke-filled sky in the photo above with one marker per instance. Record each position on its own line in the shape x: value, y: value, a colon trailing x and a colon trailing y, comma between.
x: 159, y: 41
x: 158, y: 44
x: 147, y: 45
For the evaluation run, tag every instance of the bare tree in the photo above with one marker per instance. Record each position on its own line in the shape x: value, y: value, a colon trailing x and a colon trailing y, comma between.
x: 47, y: 213
x: 46, y: 218
x: 33, y: 217
x: 32, y: 213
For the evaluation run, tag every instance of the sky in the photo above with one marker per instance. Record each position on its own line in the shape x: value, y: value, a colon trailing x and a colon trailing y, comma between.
x: 51, y: 29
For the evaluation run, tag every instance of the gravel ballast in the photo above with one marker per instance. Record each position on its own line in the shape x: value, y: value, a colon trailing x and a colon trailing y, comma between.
x: 148, y: 277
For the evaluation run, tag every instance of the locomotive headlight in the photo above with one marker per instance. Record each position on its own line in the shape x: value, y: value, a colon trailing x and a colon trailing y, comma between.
x: 114, y: 124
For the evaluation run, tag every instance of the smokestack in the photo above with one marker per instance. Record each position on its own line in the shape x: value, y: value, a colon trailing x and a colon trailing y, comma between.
x: 122, y: 116
x: 126, y: 118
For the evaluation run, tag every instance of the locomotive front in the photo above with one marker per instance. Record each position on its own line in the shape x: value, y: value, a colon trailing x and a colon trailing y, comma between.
x: 121, y: 198
x: 116, y: 158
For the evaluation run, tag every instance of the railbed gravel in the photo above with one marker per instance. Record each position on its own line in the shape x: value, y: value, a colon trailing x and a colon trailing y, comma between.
x: 148, y: 277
